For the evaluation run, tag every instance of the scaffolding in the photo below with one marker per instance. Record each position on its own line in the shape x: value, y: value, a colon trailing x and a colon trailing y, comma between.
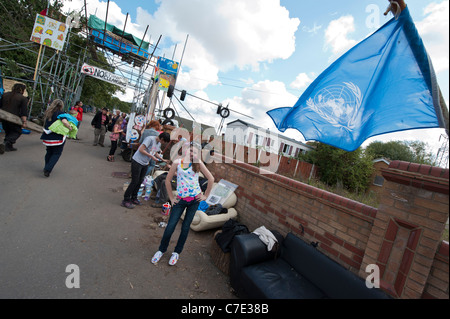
x: 442, y: 154
x: 57, y: 75
x: 54, y: 76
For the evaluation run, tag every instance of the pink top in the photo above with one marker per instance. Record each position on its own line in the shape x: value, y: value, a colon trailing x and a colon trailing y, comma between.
x: 115, y: 136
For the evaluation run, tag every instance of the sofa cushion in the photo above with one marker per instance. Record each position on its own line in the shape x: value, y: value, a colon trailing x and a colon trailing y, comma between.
x: 328, y: 275
x: 202, y: 221
x: 276, y: 279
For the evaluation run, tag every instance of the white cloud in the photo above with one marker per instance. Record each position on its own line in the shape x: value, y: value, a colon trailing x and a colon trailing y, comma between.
x: 434, y: 29
x: 337, y: 35
x: 313, y: 30
x: 254, y: 101
x: 269, y: 94
x: 302, y: 81
x: 115, y: 15
x: 202, y: 69
x: 248, y: 81
x: 224, y: 34
x: 127, y: 96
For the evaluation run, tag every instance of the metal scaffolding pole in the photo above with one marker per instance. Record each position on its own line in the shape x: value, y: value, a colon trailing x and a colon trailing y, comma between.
x: 58, y: 76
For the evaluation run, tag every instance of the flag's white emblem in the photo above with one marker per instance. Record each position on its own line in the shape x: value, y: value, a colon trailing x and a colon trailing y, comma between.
x: 338, y: 105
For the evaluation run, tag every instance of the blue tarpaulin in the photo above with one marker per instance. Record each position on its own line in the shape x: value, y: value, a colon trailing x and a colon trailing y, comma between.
x: 116, y: 45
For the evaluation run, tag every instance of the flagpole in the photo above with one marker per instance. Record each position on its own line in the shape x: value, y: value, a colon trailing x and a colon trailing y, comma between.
x: 40, y: 47
x: 444, y: 110
x: 37, y: 63
x: 442, y: 103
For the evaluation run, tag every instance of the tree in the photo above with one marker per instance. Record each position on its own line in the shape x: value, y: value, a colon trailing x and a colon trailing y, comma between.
x: 414, y: 152
x: 18, y: 17
x: 17, y: 20
x: 117, y: 104
x: 352, y: 170
x: 421, y: 155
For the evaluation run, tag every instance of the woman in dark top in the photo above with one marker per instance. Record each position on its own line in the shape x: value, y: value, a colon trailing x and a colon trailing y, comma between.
x: 54, y: 142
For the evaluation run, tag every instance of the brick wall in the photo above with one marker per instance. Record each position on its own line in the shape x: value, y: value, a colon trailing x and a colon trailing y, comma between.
x: 402, y: 236
x: 408, y: 227
x: 340, y: 226
x: 438, y: 280
x: 377, y: 189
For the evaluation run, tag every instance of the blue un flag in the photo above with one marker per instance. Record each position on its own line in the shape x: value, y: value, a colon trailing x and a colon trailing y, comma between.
x: 386, y: 83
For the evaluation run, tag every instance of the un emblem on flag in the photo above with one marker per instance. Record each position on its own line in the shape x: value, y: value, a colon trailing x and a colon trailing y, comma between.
x: 338, y: 104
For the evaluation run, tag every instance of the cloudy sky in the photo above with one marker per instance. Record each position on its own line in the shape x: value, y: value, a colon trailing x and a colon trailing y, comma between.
x: 256, y: 55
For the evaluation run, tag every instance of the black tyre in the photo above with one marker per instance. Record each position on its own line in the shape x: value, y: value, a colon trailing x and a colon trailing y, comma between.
x: 169, y: 113
x: 168, y: 122
x: 224, y: 113
x: 183, y: 95
x: 170, y: 91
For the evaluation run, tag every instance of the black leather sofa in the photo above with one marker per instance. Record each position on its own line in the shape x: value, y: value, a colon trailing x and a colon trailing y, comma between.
x: 297, y: 271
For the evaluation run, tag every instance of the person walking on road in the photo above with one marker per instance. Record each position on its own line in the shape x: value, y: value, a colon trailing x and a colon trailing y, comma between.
x: 79, y: 108
x: 53, y: 141
x: 189, y: 196
x: 99, y: 123
x: 139, y: 164
x: 13, y: 102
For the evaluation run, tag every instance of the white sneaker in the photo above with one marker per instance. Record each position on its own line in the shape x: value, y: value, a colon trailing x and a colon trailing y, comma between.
x: 173, y: 260
x: 156, y: 257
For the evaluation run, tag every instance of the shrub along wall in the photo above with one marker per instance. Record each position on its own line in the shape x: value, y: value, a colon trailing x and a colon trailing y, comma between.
x: 342, y: 228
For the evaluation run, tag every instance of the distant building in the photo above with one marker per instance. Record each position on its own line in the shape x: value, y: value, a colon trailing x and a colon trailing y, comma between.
x: 243, y: 133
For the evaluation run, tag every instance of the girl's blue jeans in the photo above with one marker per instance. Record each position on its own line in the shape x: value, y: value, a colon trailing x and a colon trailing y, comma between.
x: 52, y: 156
x: 175, y: 215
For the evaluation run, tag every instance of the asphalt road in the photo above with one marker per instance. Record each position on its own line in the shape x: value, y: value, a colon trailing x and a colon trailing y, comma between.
x: 74, y: 217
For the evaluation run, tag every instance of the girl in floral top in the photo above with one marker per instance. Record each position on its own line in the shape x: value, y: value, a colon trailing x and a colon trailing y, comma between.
x: 189, y: 195
x: 115, y: 135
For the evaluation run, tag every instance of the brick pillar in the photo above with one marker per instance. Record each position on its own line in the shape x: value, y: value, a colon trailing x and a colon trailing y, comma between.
x: 408, y: 227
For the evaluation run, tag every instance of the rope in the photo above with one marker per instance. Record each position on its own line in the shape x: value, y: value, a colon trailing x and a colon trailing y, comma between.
x: 184, y: 108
